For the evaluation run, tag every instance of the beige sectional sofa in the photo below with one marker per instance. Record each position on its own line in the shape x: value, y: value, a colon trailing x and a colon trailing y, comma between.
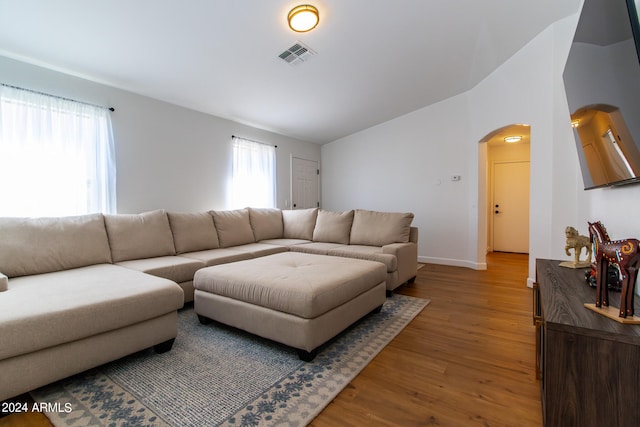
x: 68, y: 307
x: 77, y: 292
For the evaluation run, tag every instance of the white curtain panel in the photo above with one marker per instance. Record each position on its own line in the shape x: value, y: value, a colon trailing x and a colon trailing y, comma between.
x: 57, y: 156
x: 253, y: 180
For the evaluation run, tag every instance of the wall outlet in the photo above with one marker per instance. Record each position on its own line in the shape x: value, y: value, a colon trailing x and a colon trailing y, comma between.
x: 456, y: 177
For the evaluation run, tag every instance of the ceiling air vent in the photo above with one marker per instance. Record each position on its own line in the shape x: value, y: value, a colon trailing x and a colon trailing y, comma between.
x: 297, y: 54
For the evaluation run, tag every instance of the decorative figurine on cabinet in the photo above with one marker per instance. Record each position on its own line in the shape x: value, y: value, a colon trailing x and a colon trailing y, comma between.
x: 576, y: 242
x: 625, y: 256
x: 613, y: 278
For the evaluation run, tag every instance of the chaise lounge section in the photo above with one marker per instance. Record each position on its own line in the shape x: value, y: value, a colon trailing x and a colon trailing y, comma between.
x: 68, y: 308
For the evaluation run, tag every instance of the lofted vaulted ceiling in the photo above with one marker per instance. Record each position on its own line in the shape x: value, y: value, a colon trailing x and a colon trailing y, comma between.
x: 375, y: 59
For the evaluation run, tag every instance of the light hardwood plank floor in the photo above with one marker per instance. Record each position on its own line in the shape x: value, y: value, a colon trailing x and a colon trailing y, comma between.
x: 467, y: 360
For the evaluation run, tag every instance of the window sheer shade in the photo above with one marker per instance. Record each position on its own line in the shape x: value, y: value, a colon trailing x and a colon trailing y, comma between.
x: 253, y: 181
x: 57, y: 156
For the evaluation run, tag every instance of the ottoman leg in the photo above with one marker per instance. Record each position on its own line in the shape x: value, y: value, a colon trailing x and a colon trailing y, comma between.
x: 307, y: 356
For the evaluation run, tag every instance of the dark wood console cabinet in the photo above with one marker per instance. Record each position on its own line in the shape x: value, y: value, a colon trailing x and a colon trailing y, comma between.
x: 588, y: 365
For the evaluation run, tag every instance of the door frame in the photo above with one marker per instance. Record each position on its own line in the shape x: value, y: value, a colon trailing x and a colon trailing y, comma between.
x: 483, y: 202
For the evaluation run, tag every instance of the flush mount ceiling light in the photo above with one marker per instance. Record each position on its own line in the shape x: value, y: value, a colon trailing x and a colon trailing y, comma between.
x: 575, y: 123
x: 513, y: 138
x: 303, y: 18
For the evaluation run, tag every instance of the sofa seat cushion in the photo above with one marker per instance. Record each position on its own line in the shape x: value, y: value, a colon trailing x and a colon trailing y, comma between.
x: 259, y: 249
x: 176, y: 268
x: 372, y: 253
x: 303, y: 285
x: 285, y: 242
x: 45, y: 310
x: 218, y: 256
x: 318, y: 248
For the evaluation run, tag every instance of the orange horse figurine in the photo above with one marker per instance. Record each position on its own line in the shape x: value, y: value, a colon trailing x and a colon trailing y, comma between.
x: 625, y: 255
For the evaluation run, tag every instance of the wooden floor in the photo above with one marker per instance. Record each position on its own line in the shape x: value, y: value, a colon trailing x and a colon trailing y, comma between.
x: 466, y: 360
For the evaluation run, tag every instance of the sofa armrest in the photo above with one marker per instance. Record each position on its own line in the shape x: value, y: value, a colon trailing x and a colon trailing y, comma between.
x: 407, y: 256
x: 4, y: 282
x: 413, y: 235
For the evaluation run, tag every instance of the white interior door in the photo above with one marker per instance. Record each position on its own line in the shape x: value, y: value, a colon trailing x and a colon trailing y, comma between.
x: 510, y: 208
x: 305, y: 183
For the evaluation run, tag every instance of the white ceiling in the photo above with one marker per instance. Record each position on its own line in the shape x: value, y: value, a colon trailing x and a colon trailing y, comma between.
x: 376, y: 59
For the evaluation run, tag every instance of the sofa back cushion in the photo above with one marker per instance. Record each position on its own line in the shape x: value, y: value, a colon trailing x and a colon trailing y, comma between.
x: 138, y: 236
x: 42, y: 245
x: 193, y: 231
x: 299, y: 224
x: 333, y: 227
x: 380, y: 228
x: 266, y: 223
x: 234, y: 227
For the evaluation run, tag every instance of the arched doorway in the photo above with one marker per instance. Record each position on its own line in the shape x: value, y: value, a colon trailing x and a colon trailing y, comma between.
x: 503, y: 193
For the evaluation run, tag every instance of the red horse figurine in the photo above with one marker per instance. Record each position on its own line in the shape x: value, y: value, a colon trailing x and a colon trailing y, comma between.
x: 624, y: 254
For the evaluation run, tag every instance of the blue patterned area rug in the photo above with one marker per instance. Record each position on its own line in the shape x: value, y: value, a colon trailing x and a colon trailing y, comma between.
x: 220, y: 376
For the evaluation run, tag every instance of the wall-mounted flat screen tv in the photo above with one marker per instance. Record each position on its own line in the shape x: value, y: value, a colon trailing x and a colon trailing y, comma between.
x: 602, y: 82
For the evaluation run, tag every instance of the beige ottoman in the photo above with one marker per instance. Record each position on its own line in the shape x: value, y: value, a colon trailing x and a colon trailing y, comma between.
x: 298, y: 299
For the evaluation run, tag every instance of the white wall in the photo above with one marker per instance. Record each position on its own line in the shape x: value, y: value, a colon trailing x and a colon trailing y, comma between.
x: 167, y: 156
x: 528, y: 88
x: 405, y: 165
x: 396, y: 165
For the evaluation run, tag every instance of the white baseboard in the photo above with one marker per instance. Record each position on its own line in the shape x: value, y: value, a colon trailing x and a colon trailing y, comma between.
x: 453, y: 262
x: 466, y: 264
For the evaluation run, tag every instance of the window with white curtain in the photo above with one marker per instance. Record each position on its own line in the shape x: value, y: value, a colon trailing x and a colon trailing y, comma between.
x: 253, y: 177
x: 57, y: 156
